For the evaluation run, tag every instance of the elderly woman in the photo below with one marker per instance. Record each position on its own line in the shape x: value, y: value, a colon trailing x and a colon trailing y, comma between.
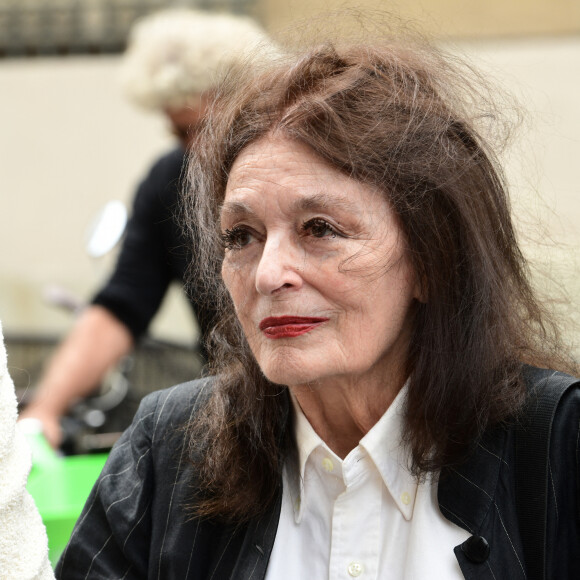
x: 372, y: 360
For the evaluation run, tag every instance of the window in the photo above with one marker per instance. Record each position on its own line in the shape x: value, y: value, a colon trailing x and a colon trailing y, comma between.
x: 59, y: 27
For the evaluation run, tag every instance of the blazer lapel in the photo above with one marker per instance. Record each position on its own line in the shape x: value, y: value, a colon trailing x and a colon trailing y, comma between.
x: 252, y: 562
x: 477, y: 496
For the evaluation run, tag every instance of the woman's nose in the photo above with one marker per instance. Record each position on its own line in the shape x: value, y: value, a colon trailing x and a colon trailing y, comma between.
x: 279, y: 267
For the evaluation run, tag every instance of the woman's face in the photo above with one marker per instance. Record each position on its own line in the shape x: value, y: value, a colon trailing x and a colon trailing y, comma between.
x: 316, y: 266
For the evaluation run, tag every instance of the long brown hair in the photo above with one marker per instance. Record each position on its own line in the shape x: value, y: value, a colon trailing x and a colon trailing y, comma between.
x: 404, y: 118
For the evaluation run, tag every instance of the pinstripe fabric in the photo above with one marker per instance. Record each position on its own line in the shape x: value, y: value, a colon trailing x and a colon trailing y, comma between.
x: 480, y: 497
x: 134, y: 525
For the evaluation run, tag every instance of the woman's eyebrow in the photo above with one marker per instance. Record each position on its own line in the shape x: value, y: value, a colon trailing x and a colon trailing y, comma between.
x: 315, y: 202
x: 324, y: 201
x: 236, y: 208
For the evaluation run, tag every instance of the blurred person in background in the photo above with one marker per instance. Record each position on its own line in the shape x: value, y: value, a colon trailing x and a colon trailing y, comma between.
x: 173, y: 60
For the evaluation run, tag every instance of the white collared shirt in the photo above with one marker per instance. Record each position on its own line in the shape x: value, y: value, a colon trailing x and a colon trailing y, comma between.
x: 362, y: 517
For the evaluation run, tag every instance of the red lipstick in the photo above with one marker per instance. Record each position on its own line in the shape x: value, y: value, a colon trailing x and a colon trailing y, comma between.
x: 289, y: 326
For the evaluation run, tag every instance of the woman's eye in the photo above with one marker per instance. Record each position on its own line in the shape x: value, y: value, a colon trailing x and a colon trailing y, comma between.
x: 236, y: 238
x: 319, y: 228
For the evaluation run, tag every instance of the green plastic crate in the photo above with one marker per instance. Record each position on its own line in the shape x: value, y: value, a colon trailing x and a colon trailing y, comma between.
x: 60, y: 487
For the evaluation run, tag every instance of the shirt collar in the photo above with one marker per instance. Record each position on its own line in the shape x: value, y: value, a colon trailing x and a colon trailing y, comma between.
x: 307, y: 440
x: 383, y: 444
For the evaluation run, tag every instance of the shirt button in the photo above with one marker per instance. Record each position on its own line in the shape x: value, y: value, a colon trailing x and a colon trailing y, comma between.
x: 405, y: 498
x: 297, y: 503
x: 355, y: 569
x: 327, y: 465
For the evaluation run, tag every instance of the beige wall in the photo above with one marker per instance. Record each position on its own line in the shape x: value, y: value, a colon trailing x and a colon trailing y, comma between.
x: 456, y: 18
x: 69, y: 142
x: 543, y: 165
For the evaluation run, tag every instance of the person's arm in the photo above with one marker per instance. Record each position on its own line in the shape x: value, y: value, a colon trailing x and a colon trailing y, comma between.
x: 97, y: 341
x: 122, y: 309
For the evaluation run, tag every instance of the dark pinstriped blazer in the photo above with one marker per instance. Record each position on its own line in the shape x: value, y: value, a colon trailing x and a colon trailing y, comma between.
x: 134, y: 525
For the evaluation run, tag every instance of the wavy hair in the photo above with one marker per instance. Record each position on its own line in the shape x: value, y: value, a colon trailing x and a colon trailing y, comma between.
x: 174, y: 55
x: 407, y: 119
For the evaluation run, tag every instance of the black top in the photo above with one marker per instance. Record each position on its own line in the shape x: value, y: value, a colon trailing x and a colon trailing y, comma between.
x: 136, y: 525
x: 154, y: 252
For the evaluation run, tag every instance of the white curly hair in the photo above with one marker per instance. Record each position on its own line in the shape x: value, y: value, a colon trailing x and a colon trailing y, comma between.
x: 175, y: 55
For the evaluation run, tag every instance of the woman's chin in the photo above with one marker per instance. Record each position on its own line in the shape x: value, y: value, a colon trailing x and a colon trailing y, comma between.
x: 289, y: 370
x: 288, y: 376
x: 296, y: 363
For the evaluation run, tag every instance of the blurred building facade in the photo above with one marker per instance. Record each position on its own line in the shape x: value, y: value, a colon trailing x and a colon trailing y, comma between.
x: 48, y: 27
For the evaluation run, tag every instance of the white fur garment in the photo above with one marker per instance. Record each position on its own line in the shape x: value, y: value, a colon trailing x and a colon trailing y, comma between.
x: 23, y: 541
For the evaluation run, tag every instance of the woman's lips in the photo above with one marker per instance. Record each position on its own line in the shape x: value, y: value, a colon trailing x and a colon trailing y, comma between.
x: 289, y: 326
